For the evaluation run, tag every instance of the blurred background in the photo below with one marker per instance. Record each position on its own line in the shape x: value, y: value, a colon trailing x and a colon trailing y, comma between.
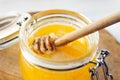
x: 93, y: 9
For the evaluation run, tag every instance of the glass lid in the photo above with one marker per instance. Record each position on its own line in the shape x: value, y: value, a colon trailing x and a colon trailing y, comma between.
x: 9, y: 27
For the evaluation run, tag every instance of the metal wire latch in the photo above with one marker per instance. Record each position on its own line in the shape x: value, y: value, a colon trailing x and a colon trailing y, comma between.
x: 101, y: 71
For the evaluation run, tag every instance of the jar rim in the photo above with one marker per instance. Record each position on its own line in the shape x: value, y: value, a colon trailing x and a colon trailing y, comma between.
x: 33, y: 58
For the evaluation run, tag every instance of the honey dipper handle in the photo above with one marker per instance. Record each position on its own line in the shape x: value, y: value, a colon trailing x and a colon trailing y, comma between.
x: 100, y: 24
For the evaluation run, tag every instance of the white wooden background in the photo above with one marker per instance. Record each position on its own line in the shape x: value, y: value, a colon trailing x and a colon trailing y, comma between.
x: 94, y: 9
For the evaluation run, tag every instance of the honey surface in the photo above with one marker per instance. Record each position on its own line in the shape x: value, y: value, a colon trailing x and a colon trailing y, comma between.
x: 73, y: 50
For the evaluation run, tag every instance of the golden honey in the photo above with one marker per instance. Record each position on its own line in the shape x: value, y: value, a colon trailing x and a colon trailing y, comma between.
x: 68, y: 62
x: 74, y: 50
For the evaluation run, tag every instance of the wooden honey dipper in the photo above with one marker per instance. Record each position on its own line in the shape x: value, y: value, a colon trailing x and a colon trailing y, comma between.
x: 45, y: 43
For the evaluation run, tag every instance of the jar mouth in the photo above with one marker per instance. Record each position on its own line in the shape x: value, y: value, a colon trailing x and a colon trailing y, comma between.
x: 33, y: 58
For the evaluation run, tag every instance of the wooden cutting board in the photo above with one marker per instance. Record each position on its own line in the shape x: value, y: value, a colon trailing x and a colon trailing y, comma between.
x: 9, y: 58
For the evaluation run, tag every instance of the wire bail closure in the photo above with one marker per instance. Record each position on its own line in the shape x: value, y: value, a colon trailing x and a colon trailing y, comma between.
x: 101, y: 67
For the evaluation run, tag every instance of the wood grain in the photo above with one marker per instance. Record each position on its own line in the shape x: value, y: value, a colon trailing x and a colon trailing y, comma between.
x: 113, y: 60
x: 9, y: 58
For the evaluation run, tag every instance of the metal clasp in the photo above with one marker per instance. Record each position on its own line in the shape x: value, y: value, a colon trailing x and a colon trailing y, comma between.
x: 101, y: 71
x: 24, y: 19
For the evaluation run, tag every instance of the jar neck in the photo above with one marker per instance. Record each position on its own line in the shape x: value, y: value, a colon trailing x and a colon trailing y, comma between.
x: 51, y: 17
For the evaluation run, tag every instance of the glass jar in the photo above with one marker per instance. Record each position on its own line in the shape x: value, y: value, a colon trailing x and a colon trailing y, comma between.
x: 34, y: 67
